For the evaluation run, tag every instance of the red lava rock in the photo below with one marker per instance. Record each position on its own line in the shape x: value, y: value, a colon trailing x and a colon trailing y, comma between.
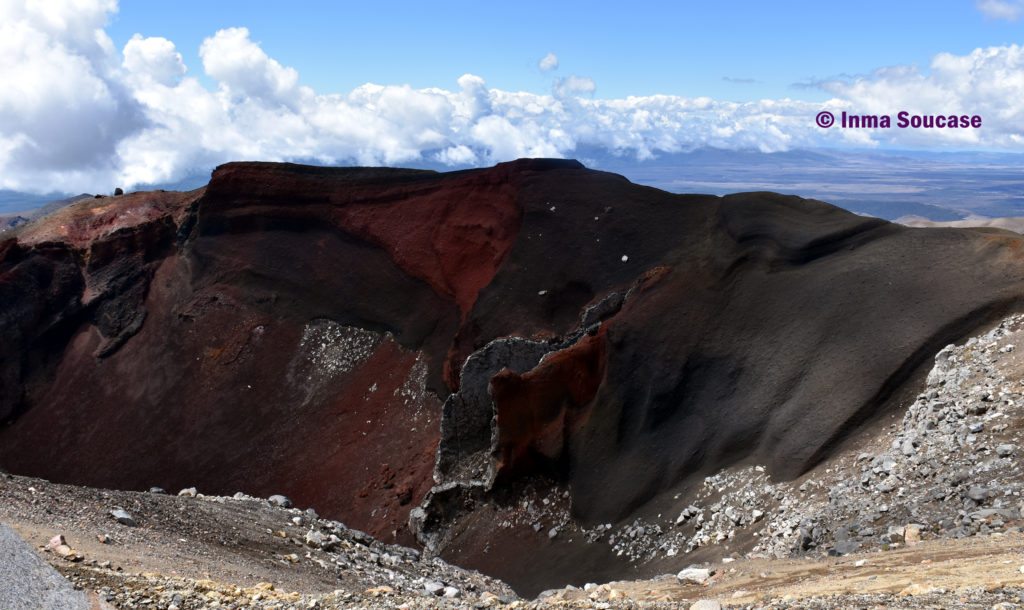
x: 539, y: 410
x: 58, y: 546
x: 55, y: 542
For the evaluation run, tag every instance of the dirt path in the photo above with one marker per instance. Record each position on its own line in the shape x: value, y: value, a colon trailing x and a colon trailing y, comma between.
x: 952, y: 570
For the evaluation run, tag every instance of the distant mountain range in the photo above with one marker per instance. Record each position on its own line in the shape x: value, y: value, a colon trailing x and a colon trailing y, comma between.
x: 13, y: 203
x: 27, y: 207
x: 18, y: 208
x: 887, y: 184
x: 935, y: 186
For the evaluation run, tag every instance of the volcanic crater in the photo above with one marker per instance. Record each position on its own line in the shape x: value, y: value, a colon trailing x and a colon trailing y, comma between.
x: 430, y: 356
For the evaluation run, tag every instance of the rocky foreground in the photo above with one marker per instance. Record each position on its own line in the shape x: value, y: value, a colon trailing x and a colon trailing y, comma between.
x: 193, y: 551
x: 923, y: 512
x: 190, y: 550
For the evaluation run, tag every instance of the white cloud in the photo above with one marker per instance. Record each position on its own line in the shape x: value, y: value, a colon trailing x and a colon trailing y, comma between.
x: 241, y: 67
x: 62, y: 108
x: 1009, y: 10
x: 548, y: 63
x: 573, y: 85
x: 153, y: 58
x: 988, y: 82
x: 457, y: 155
x: 76, y: 114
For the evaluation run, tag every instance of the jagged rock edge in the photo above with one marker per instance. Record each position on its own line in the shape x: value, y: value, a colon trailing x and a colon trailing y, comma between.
x: 450, y: 496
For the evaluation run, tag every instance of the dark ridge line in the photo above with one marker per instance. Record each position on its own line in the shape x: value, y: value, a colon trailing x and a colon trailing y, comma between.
x: 956, y: 330
x: 821, y: 247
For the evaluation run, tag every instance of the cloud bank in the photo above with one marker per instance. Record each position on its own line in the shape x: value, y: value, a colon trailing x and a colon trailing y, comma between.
x: 79, y: 114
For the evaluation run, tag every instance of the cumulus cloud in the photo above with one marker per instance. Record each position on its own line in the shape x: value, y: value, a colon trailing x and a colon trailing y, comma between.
x: 1009, y: 10
x: 988, y: 82
x: 548, y: 63
x: 62, y: 107
x: 78, y: 114
x: 243, y: 68
x: 153, y: 58
x: 573, y: 85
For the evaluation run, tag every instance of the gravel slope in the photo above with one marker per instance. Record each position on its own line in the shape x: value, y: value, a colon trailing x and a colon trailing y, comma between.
x: 190, y: 551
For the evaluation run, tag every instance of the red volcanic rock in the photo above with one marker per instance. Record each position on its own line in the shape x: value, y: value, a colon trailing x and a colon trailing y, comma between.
x: 454, y: 239
x: 351, y: 336
x: 538, y: 411
x: 264, y: 334
x: 94, y: 221
x: 452, y: 234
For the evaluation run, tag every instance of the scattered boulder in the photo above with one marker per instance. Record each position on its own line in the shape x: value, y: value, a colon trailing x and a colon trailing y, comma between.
x: 279, y: 501
x: 1005, y: 450
x: 188, y: 492
x: 433, y: 587
x: 988, y: 513
x: 123, y: 517
x: 887, y: 486
x: 315, y: 539
x: 157, y: 490
x: 59, y: 547
x: 895, y: 534
x: 912, y: 533
x: 977, y: 493
x: 361, y: 537
x: 56, y: 541
x: 695, y: 575
x: 845, y: 547
x: 688, y: 513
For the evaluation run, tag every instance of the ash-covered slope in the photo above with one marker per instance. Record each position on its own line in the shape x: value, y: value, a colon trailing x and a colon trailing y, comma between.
x: 332, y: 333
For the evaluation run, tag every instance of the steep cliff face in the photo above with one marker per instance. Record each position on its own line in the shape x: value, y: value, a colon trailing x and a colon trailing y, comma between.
x: 383, y: 343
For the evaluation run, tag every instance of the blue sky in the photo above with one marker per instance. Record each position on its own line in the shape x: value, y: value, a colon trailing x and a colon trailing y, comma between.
x: 630, y: 48
x: 137, y: 92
